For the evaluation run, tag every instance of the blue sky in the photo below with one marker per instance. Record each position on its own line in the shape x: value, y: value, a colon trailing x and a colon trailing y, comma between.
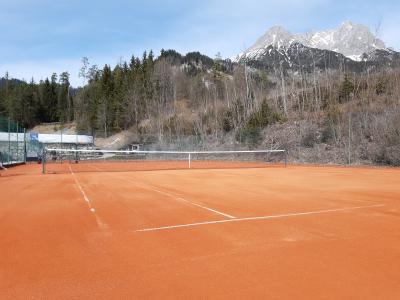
x: 44, y: 36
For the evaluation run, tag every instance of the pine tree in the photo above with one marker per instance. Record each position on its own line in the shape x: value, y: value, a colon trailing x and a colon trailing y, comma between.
x: 64, y: 101
x: 347, y: 89
x: 53, y: 97
x: 106, y: 101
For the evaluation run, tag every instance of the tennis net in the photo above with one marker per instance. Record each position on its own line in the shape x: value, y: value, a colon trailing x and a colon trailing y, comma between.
x: 72, y: 160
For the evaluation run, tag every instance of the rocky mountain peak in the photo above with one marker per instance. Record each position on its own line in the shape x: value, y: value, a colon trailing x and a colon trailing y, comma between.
x: 350, y: 39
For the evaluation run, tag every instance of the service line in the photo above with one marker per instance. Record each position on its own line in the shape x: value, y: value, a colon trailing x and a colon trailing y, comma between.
x: 192, y: 203
x: 259, y: 218
x: 176, y: 197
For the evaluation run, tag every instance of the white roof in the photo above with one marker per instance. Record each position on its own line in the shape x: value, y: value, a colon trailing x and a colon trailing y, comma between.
x: 47, y: 138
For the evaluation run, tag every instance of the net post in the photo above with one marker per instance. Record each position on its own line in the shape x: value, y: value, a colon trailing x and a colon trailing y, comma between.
x: 44, y: 161
x: 76, y: 153
x: 190, y: 163
x: 286, y: 158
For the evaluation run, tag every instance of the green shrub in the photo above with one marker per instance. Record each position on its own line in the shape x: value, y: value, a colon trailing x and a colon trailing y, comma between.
x: 263, y: 117
x: 250, y: 136
x: 328, y: 133
x: 347, y: 88
x: 389, y: 152
x: 250, y: 132
x: 381, y: 87
x: 226, y: 120
x: 309, y: 139
x: 176, y: 125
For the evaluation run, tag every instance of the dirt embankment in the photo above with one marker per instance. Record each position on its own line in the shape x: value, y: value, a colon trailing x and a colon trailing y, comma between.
x: 54, y: 128
x: 117, y: 141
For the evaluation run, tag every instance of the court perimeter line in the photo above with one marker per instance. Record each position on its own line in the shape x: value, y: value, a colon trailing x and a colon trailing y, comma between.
x: 258, y: 218
x: 149, y: 187
x: 192, y: 203
x: 99, y: 222
x: 87, y: 200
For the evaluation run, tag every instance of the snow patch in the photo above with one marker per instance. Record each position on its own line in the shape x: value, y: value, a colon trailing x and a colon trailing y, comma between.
x: 349, y: 39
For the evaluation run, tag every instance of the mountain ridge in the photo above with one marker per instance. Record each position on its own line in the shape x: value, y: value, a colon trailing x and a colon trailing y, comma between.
x: 349, y: 39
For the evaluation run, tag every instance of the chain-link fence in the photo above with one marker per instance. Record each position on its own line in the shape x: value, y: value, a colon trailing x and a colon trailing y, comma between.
x: 16, y: 144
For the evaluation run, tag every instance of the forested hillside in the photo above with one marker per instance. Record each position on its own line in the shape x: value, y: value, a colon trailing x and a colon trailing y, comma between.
x: 321, y: 115
x: 31, y: 103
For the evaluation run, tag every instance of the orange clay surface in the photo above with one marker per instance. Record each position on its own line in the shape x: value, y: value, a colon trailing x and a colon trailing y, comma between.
x: 268, y: 233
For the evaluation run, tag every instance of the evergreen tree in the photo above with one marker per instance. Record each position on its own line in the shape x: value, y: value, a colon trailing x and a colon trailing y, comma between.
x: 347, y: 89
x: 64, y: 101
x: 53, y: 97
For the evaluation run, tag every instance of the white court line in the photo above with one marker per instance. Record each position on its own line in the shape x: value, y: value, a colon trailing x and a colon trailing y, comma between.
x: 87, y: 200
x: 148, y: 187
x: 99, y: 222
x: 184, y: 200
x: 259, y: 218
x: 192, y: 203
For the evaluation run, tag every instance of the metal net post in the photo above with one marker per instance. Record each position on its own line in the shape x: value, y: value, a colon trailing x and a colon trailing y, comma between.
x: 286, y: 158
x: 44, y: 161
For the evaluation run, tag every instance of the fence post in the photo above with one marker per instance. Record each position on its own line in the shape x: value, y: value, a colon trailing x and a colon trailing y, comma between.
x: 61, y: 140
x: 25, y: 145
x: 349, y: 157
x: 17, y: 144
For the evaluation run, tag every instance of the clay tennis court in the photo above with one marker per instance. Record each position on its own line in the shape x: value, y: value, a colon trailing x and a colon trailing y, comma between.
x: 269, y: 233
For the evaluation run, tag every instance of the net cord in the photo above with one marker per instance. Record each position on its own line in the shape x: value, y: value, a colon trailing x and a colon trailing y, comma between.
x: 161, y: 152
x: 189, y: 153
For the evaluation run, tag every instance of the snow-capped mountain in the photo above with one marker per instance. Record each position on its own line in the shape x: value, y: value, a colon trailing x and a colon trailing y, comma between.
x: 351, y: 40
